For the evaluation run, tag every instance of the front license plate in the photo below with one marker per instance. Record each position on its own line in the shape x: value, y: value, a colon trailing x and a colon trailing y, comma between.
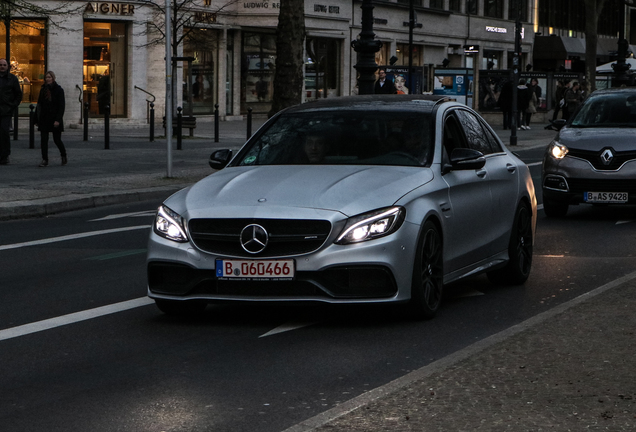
x: 252, y: 269
x: 606, y: 197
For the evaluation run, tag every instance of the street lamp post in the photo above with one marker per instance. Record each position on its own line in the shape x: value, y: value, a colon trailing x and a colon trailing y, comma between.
x: 366, y: 46
x: 516, y: 64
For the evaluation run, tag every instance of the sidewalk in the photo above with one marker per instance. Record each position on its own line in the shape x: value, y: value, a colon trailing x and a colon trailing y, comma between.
x: 569, y: 369
x: 133, y: 168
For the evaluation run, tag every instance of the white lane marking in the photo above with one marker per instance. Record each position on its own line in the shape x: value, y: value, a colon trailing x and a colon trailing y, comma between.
x: 534, y: 164
x: 48, y: 324
x: 125, y: 215
x: 624, y: 222
x: 288, y: 327
x: 448, y: 361
x: 71, y: 237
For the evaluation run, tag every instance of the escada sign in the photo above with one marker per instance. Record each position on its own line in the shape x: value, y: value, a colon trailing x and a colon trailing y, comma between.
x: 110, y: 8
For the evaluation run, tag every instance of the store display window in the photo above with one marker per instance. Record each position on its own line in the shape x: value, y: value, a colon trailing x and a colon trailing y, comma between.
x: 202, y: 45
x: 27, y: 45
x: 259, y: 61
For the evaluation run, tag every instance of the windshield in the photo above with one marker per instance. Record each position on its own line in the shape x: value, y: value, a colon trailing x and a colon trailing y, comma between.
x: 343, y: 138
x: 608, y: 110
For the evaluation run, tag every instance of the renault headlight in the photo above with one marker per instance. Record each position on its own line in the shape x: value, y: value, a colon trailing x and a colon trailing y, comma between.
x: 169, y: 224
x: 557, y: 150
x: 372, y: 225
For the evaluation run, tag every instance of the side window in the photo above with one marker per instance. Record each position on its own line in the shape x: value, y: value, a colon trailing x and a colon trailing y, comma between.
x: 475, y: 134
x: 453, y: 134
x: 494, y: 142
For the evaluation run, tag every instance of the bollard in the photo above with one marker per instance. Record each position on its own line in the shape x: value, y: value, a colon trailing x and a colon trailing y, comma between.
x: 107, y: 127
x: 216, y: 123
x: 32, y: 126
x: 249, y: 123
x: 152, y: 121
x: 179, y: 127
x: 15, y: 124
x: 86, y: 121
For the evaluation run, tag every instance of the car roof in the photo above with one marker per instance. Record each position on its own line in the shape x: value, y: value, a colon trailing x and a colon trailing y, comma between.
x: 616, y: 90
x: 417, y: 103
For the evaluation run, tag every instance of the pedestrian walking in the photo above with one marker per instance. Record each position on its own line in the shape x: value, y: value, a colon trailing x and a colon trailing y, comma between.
x: 505, y: 103
x: 384, y: 85
x: 10, y: 98
x: 559, y: 94
x: 50, y: 117
x: 523, y: 100
x: 573, y: 98
x: 533, y: 101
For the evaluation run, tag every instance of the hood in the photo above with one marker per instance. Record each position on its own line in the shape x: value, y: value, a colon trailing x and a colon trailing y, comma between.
x: 252, y: 191
x: 620, y: 139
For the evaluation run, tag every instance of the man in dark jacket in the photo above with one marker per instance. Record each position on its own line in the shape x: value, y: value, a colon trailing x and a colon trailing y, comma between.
x: 10, y: 98
x: 384, y: 85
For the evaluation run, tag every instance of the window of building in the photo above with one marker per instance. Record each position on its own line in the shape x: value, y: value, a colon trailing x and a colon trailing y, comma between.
x: 322, y: 68
x: 493, y: 8
x: 437, y: 4
x: 472, y: 7
x: 105, y: 67
x: 202, y: 45
x: 415, y: 2
x: 27, y: 47
x: 518, y: 6
x: 454, y: 5
x: 402, y: 53
x: 259, y: 60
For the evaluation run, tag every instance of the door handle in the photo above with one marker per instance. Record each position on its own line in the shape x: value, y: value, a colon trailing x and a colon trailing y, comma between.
x: 511, y: 168
x: 481, y: 173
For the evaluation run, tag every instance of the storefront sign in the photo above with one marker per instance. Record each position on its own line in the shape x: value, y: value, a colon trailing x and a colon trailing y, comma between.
x: 496, y: 29
x: 110, y: 8
x: 261, y: 5
x: 326, y: 9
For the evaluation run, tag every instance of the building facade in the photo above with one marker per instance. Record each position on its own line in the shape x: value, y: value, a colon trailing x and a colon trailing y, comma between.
x: 112, y: 53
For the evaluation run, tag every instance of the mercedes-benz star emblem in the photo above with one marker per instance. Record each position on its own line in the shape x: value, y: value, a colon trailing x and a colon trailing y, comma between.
x: 607, y: 156
x: 254, y: 238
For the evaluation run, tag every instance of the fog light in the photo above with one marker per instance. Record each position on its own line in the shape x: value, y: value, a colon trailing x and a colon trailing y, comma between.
x: 556, y: 183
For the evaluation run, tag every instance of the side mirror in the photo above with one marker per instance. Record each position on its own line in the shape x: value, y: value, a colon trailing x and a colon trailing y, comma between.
x: 220, y: 158
x: 558, y: 124
x: 465, y: 159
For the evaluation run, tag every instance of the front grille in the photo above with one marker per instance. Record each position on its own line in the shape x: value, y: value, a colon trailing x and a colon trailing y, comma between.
x: 286, y: 236
x: 594, y: 157
x: 596, y: 185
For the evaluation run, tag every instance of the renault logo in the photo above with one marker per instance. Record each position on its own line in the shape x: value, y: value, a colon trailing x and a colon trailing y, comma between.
x: 254, y: 238
x: 607, y: 156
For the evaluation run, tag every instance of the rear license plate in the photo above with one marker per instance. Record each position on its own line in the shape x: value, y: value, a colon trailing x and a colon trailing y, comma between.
x: 606, y: 197
x: 255, y: 269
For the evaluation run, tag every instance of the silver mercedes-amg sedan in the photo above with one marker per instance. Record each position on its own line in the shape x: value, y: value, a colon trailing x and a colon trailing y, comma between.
x: 363, y: 199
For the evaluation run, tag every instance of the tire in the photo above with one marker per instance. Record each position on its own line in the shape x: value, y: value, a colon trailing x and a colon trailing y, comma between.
x: 181, y: 308
x: 520, y: 247
x: 554, y: 209
x: 428, y: 274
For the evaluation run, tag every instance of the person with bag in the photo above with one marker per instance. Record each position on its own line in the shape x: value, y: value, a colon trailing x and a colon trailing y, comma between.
x: 50, y: 117
x: 10, y: 98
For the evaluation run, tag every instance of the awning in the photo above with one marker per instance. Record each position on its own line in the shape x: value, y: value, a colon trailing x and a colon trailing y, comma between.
x: 560, y: 47
x: 607, y: 67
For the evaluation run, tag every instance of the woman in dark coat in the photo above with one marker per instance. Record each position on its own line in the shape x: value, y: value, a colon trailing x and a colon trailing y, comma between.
x: 50, y: 114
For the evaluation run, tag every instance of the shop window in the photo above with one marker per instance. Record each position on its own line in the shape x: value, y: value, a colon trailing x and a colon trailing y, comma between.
x: 27, y: 60
x: 202, y: 45
x: 322, y: 68
x: 402, y: 53
x: 105, y: 67
x: 259, y: 61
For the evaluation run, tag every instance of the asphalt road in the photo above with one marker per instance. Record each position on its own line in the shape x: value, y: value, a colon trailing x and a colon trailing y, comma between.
x: 81, y: 348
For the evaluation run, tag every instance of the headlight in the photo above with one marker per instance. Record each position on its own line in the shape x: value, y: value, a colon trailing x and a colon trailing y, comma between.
x: 557, y: 150
x: 372, y: 225
x: 169, y: 224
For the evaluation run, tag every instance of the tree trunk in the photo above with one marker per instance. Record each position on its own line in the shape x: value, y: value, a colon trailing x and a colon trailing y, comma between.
x: 593, y: 9
x: 290, y: 41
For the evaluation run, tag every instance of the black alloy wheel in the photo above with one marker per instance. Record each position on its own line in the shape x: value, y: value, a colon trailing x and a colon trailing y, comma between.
x: 520, y: 248
x: 428, y: 274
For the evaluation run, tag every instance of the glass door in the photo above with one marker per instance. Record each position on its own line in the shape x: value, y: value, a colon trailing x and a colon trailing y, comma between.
x: 105, y: 68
